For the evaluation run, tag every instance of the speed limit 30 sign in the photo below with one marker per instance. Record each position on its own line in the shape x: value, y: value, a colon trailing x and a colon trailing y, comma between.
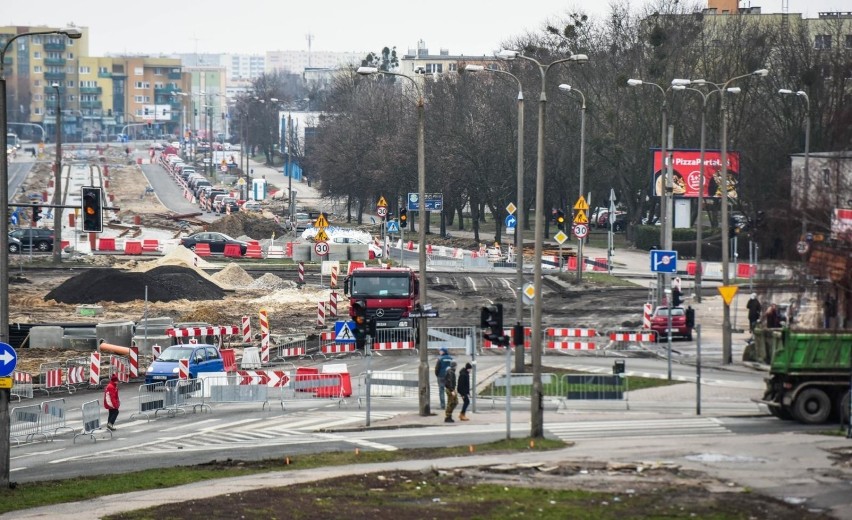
x: 581, y: 230
x: 321, y: 248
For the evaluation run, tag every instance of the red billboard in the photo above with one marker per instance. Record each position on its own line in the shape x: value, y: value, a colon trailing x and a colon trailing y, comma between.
x: 687, y: 170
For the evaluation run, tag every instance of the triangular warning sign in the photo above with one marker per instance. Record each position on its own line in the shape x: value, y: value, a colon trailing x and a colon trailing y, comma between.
x: 581, y: 204
x: 728, y: 292
x: 581, y: 217
x: 321, y: 222
x: 345, y: 334
x: 382, y: 202
x: 321, y: 236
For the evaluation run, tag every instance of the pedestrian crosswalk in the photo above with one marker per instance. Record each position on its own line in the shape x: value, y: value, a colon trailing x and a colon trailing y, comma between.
x: 568, y: 431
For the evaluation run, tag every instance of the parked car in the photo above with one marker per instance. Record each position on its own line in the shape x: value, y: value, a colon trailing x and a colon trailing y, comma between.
x: 303, y: 222
x: 202, y: 358
x: 14, y: 245
x: 216, y: 241
x: 252, y: 205
x: 660, y: 323
x: 40, y: 238
x: 371, y: 246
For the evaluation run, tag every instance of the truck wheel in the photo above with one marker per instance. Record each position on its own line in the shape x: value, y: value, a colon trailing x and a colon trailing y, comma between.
x: 812, y: 406
x: 844, y: 408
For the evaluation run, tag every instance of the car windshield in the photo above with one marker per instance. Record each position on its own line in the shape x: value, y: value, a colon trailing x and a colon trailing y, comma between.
x: 175, y: 353
x: 664, y: 311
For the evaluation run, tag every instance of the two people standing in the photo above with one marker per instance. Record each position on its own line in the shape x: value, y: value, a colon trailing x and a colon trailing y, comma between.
x: 451, y: 386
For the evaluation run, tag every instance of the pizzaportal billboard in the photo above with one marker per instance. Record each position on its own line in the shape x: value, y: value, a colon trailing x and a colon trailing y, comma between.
x: 687, y: 171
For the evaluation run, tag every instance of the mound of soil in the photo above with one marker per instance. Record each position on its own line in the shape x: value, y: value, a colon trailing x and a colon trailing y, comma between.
x: 248, y: 224
x: 165, y: 284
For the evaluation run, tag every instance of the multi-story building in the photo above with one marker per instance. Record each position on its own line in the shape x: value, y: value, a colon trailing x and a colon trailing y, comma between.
x: 419, y: 61
x: 296, y: 62
x: 207, y: 101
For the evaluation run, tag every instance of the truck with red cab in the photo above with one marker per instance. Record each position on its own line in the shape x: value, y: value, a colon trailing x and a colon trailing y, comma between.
x: 381, y: 299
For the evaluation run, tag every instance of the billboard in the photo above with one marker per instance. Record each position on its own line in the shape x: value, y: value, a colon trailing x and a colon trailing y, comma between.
x: 687, y: 170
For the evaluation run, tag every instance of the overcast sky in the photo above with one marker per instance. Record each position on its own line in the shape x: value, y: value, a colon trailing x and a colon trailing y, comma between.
x: 470, y: 27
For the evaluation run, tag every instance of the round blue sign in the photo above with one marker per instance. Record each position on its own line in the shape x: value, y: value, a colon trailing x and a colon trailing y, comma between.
x: 8, y: 359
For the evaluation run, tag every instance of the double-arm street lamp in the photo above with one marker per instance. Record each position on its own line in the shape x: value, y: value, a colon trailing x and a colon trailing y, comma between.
x: 699, y: 223
x: 564, y: 87
x: 536, y: 411
x: 422, y: 335
x: 727, y: 352
x: 806, y: 177
x: 519, y: 222
x: 74, y: 34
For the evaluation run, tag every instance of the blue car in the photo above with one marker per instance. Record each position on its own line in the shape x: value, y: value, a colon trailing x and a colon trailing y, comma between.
x: 202, y: 358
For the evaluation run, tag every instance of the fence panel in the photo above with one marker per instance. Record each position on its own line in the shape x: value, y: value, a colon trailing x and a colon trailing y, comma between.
x: 395, y: 339
x: 184, y: 393
x: 293, y: 348
x: 22, y: 385
x: 521, y: 387
x: 588, y: 387
x: 24, y: 422
x: 53, y: 416
x: 152, y: 398
x: 453, y: 338
x: 314, y: 385
x: 91, y: 421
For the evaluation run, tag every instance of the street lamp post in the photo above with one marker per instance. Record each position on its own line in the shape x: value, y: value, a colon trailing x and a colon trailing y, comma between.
x: 806, y: 178
x: 422, y: 335
x: 568, y: 88
x: 519, y: 223
x: 727, y: 352
x: 699, y: 223
x: 5, y: 433
x: 57, y: 182
x: 536, y: 398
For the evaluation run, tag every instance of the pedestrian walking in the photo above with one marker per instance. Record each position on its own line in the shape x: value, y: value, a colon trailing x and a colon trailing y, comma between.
x: 463, y: 389
x: 452, y: 395
x: 111, y: 401
x: 754, y: 309
x: 773, y: 321
x: 441, y: 366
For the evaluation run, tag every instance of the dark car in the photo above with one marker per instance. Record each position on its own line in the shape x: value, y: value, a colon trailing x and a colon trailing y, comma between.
x: 14, y: 245
x: 216, y: 241
x: 680, y: 327
x: 40, y: 238
x: 202, y: 358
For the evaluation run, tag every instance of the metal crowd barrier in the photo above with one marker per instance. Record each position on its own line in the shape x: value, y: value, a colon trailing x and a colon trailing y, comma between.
x: 316, y: 386
x: 152, y: 399
x: 589, y: 387
x: 521, y: 387
x: 53, y: 416
x: 293, y: 348
x: 22, y: 385
x: 454, y: 338
x: 234, y: 389
x: 183, y: 393
x: 25, y: 423
x: 91, y: 421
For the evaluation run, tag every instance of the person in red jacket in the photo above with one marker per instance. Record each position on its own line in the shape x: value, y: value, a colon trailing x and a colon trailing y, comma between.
x: 111, y: 401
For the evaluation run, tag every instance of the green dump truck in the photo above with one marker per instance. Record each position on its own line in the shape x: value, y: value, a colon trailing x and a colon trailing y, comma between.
x: 809, y: 375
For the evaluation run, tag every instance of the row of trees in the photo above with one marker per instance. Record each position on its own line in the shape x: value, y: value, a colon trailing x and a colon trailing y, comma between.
x: 366, y: 146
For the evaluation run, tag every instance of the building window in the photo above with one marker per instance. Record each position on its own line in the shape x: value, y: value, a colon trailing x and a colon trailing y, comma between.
x: 139, y: 99
x: 37, y: 69
x: 36, y: 55
x: 85, y: 70
x: 158, y: 71
x: 138, y: 71
x: 103, y: 70
x: 822, y: 41
x: 158, y: 84
x: 37, y: 83
x: 72, y: 97
x: 70, y: 55
x: 38, y: 97
x: 453, y: 67
x: 71, y: 83
x: 37, y: 111
x: 36, y: 40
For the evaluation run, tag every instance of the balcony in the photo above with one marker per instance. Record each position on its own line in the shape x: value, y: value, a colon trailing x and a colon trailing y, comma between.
x: 174, y: 75
x: 166, y: 91
x: 104, y: 74
x: 54, y: 62
x: 91, y: 90
x: 54, y: 76
x: 87, y: 105
x: 54, y: 46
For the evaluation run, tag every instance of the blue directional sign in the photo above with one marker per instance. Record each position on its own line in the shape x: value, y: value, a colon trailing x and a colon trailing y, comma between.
x: 8, y: 359
x: 434, y: 202
x: 344, y: 332
x: 393, y: 226
x: 663, y: 261
x: 511, y: 221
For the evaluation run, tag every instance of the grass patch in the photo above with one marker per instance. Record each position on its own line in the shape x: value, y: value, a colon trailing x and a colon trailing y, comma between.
x: 555, y: 388
x: 596, y: 279
x: 37, y: 494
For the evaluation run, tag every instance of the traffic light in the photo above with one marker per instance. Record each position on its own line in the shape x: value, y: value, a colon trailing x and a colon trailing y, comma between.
x: 403, y: 218
x: 491, y: 320
x: 93, y: 221
x: 560, y: 220
x: 36, y: 213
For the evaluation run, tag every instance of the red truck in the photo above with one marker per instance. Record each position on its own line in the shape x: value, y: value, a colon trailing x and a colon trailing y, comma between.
x: 385, y: 296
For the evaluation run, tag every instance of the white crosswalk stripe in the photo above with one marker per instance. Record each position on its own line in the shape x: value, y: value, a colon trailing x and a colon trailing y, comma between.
x: 638, y: 428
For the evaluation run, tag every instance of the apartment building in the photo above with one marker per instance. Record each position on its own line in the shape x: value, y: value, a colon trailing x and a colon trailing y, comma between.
x: 420, y: 61
x: 295, y: 62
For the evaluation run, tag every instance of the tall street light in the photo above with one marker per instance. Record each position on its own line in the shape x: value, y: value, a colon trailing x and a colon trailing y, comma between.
x: 727, y: 352
x: 699, y: 224
x: 57, y: 182
x: 536, y: 411
x: 568, y: 89
x: 519, y: 224
x: 806, y: 184
x: 422, y: 335
x: 665, y: 170
x: 5, y: 433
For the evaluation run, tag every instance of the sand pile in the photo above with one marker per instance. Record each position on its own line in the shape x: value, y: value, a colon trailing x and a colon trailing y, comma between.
x: 270, y: 282
x: 234, y: 276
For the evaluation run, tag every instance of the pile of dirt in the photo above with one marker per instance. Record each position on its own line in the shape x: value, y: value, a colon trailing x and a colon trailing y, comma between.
x: 248, y: 224
x: 270, y: 282
x: 233, y: 275
x: 165, y: 283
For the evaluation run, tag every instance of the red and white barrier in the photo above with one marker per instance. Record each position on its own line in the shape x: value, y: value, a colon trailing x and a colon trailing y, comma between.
x: 508, y: 332
x: 647, y: 311
x: 333, y: 284
x: 53, y: 378
x: 264, y: 349
x: 134, y: 362
x: 394, y: 345
x: 636, y: 336
x: 183, y: 369
x: 571, y: 333
x: 95, y: 369
x: 190, y: 332
x: 271, y: 378
x: 564, y: 339
x: 301, y: 273
x: 320, y: 314
x: 263, y: 316
x: 332, y: 304
x: 76, y: 375
x: 156, y: 350
x: 246, y: 329
x: 119, y: 368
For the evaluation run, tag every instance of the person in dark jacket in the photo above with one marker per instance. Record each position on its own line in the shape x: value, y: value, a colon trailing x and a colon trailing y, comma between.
x: 463, y: 389
x: 441, y: 366
x: 111, y: 401
x: 773, y: 320
x: 754, y: 309
x: 452, y: 395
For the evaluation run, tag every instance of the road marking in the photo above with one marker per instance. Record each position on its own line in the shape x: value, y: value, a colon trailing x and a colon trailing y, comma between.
x: 472, y: 283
